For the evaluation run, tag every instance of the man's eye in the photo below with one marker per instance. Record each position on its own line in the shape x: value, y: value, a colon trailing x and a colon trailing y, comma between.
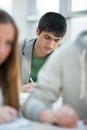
x: 47, y: 37
x: 57, y: 40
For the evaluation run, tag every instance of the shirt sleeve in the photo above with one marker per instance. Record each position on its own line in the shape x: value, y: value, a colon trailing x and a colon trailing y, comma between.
x: 48, y: 87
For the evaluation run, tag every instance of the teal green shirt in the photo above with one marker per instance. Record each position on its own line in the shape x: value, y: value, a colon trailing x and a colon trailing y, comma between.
x: 36, y: 64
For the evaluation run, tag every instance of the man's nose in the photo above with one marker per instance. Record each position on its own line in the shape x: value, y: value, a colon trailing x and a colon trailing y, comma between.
x: 52, y: 43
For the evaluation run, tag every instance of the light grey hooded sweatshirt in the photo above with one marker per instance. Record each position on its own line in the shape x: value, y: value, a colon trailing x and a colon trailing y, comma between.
x: 67, y: 69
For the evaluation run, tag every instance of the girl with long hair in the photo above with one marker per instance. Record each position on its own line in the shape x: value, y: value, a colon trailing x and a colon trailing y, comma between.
x: 9, y: 68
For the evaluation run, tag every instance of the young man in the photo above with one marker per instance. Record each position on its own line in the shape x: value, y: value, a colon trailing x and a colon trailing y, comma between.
x: 66, y: 69
x: 50, y: 31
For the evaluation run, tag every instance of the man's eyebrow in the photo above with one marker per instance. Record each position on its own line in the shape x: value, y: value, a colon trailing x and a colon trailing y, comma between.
x: 47, y: 35
x: 57, y: 38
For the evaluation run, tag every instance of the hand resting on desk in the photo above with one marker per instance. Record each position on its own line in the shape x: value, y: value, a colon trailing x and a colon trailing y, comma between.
x: 65, y: 116
x: 7, y: 114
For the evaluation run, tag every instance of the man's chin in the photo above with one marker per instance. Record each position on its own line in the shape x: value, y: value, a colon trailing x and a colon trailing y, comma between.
x: 48, y: 52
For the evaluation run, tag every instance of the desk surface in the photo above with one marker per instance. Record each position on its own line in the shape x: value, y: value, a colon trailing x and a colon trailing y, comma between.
x: 39, y: 126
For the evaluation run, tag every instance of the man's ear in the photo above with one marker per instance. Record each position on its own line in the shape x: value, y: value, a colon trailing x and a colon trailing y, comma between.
x: 37, y: 31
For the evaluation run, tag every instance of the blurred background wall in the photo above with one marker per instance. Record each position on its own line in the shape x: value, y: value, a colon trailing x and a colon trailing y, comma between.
x: 26, y: 14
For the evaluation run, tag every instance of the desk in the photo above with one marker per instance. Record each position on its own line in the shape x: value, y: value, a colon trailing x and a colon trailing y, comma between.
x: 40, y: 126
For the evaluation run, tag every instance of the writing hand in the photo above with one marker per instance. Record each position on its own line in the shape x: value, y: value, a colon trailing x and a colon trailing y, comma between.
x: 27, y: 87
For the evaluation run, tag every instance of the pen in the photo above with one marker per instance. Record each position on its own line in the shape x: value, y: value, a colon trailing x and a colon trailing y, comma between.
x: 31, y: 79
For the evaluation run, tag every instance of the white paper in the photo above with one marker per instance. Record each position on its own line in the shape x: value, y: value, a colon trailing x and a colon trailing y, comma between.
x: 81, y: 124
x: 23, y: 97
x: 17, y: 123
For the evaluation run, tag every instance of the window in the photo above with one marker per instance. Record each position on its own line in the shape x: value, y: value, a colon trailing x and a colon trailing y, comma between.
x: 44, y: 6
x: 79, y: 5
x: 77, y: 25
x: 6, y: 5
x: 36, y: 8
x: 75, y: 12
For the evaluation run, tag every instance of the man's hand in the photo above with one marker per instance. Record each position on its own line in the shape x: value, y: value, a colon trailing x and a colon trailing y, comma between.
x: 65, y: 116
x: 7, y: 114
x: 26, y: 88
x: 85, y: 121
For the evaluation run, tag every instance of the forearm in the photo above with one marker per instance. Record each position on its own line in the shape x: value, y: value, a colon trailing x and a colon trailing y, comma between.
x: 32, y: 108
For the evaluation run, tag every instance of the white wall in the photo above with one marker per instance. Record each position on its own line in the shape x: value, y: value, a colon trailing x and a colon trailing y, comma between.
x: 19, y: 13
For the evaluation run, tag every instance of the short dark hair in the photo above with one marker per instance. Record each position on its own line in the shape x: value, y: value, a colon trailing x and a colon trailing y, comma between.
x: 53, y: 22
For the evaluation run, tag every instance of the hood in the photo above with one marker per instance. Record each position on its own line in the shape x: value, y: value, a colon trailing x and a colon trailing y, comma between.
x: 81, y: 43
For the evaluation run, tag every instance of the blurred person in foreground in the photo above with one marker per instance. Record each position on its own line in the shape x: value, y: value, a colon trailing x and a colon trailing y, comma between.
x: 66, y: 69
x: 9, y: 68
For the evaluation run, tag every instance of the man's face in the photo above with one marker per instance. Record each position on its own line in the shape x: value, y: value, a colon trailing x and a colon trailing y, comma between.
x: 47, y: 42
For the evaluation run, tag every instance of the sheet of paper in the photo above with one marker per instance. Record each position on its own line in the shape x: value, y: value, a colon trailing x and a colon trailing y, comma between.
x: 46, y: 126
x: 23, y: 97
x: 81, y: 124
x: 18, y: 123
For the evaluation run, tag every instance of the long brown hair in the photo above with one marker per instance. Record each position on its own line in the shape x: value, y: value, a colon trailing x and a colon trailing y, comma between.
x: 9, y: 70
